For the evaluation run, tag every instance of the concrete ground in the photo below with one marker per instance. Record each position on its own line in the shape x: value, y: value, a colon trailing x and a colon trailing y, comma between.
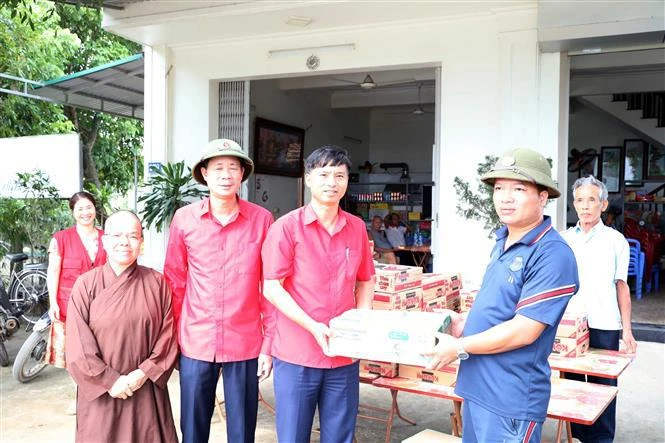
x: 35, y: 412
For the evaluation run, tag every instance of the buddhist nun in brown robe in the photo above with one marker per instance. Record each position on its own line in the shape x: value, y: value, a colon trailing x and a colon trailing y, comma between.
x: 121, y: 344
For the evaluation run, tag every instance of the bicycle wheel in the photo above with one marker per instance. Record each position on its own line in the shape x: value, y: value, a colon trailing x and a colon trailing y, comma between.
x: 29, y: 361
x: 29, y: 294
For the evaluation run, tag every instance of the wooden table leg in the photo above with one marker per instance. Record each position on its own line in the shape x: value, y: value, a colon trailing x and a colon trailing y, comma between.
x: 559, y: 428
x: 457, y: 432
x: 391, y: 414
x: 569, y: 431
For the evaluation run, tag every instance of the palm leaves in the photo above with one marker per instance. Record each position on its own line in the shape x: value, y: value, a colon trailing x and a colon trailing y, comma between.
x: 168, y: 189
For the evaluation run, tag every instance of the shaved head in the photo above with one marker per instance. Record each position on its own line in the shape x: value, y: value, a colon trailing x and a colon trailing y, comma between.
x: 122, y: 216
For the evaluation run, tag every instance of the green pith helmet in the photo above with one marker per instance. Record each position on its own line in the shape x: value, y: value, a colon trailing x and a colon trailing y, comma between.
x: 524, y: 165
x: 223, y: 147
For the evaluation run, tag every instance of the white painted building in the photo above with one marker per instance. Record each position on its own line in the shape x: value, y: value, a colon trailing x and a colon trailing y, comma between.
x: 496, y: 75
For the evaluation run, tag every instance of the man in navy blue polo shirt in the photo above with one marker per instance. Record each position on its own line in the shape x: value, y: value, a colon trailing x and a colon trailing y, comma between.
x: 505, y: 340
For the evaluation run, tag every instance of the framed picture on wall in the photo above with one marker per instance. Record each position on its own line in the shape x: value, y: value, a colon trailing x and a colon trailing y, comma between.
x: 633, y: 169
x: 278, y: 148
x: 655, y: 162
x: 610, y: 167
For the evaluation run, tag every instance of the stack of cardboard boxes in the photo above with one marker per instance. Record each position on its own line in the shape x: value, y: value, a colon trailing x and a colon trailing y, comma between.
x: 441, y: 291
x: 572, y: 335
x: 398, y: 288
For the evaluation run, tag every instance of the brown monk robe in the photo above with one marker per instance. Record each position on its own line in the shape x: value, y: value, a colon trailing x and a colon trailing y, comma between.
x: 121, y: 345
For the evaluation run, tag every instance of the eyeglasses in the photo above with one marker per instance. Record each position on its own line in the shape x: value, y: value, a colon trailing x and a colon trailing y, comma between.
x: 131, y: 237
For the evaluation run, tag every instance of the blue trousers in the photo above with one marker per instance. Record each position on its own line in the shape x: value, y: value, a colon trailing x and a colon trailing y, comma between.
x: 481, y: 425
x: 602, y: 431
x: 198, y: 380
x: 299, y: 390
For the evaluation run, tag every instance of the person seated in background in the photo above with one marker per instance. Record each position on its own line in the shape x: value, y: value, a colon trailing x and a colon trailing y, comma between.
x: 383, y: 251
x: 396, y: 235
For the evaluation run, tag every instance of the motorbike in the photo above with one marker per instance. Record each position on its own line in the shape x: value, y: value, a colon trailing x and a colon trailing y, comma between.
x: 30, y: 361
x: 9, y: 324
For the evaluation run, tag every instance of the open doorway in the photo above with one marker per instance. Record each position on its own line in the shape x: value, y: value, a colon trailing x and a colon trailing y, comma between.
x: 617, y: 133
x: 386, y: 119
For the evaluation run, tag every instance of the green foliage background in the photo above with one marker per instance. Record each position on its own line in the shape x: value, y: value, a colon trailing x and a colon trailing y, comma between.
x: 478, y: 204
x: 42, y: 40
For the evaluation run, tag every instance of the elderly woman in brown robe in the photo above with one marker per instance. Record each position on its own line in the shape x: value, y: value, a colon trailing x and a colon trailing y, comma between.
x: 121, y: 344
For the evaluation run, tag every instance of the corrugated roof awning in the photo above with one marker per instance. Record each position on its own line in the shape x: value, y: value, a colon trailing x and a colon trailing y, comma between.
x: 115, y: 88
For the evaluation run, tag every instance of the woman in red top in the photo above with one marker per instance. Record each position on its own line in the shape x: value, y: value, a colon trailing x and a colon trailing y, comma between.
x: 73, y: 252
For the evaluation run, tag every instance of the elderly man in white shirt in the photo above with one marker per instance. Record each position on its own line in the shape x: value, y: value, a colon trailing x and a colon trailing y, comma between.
x: 602, y: 255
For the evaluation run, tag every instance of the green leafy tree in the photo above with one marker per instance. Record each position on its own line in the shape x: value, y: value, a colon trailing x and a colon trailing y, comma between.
x: 478, y: 204
x: 42, y: 212
x: 57, y: 39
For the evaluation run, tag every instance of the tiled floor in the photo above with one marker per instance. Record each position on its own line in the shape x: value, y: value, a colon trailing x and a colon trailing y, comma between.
x: 650, y: 308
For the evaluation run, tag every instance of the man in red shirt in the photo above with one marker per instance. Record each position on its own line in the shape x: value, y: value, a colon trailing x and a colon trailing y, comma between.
x: 213, y: 265
x: 317, y: 264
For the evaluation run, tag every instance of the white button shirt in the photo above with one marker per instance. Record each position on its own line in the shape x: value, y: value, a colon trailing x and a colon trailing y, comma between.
x: 602, y: 259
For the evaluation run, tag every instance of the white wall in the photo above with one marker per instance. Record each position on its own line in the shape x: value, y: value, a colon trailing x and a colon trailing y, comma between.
x: 402, y: 137
x: 58, y: 155
x: 491, y: 87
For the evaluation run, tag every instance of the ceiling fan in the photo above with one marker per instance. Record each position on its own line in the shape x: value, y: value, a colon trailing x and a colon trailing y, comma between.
x: 368, y: 83
x: 418, y: 110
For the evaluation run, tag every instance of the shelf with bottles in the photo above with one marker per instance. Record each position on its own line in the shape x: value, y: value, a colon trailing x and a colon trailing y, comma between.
x: 379, y: 197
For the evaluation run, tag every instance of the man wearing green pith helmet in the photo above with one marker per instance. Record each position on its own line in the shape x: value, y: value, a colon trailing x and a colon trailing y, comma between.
x: 505, y: 340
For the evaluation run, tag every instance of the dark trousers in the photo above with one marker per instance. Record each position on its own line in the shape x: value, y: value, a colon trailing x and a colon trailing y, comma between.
x: 198, y: 380
x: 298, y: 391
x: 602, y: 431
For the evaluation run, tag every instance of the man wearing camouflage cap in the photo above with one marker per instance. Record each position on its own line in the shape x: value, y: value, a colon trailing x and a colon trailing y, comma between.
x: 213, y: 265
x: 505, y: 340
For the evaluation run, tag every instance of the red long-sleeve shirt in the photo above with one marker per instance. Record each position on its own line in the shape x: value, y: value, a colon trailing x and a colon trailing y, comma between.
x: 215, y: 275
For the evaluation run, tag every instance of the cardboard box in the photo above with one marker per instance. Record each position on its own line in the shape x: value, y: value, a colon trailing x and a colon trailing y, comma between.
x: 411, y: 299
x: 451, y: 301
x: 396, y: 278
x: 382, y: 368
x: 570, y: 347
x: 466, y: 300
x: 390, y: 336
x: 439, y: 285
x: 573, y: 325
x: 447, y: 376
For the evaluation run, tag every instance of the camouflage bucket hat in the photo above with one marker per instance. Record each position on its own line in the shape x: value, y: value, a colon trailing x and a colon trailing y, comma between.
x: 524, y: 165
x: 223, y: 147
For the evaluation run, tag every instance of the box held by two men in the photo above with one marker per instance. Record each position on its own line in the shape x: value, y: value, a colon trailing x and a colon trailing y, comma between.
x: 382, y: 368
x: 411, y: 299
x: 396, y: 278
x: 390, y: 336
x: 446, y: 376
x: 571, y: 347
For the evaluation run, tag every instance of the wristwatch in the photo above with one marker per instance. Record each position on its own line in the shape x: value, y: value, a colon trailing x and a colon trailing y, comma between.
x: 461, y: 352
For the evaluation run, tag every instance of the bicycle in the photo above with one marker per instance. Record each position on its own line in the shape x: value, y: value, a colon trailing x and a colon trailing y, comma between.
x: 27, y: 296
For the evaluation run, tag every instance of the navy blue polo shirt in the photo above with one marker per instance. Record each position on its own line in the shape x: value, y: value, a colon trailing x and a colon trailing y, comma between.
x: 535, y: 278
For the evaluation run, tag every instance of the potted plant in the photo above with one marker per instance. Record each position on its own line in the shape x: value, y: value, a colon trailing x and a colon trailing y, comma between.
x: 169, y: 188
x: 478, y: 205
